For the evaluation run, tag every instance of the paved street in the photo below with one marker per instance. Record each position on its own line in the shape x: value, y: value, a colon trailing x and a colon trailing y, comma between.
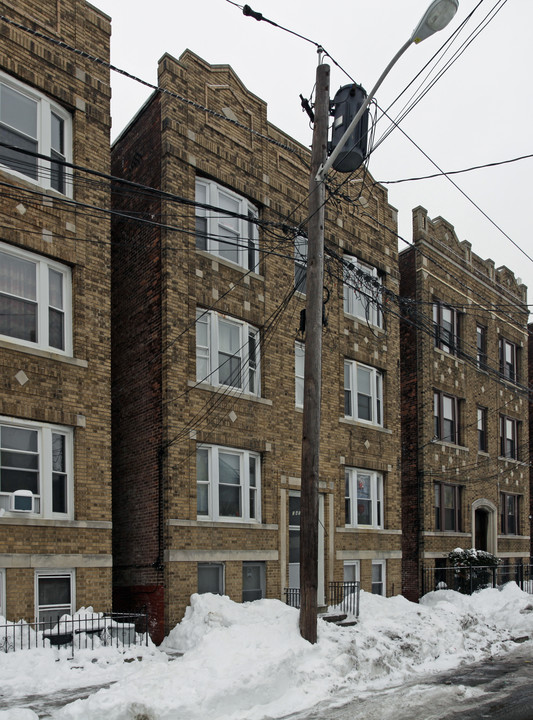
x: 495, y: 689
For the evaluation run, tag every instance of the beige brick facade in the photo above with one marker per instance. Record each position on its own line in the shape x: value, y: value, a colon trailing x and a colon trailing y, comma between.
x: 169, y: 145
x: 464, y: 361
x: 55, y: 388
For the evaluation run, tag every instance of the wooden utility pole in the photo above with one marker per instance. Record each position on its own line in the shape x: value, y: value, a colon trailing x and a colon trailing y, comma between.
x: 313, y: 365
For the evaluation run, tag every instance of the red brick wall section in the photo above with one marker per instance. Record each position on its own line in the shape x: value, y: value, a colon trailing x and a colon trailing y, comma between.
x: 138, y: 598
x: 136, y: 363
x: 409, y: 411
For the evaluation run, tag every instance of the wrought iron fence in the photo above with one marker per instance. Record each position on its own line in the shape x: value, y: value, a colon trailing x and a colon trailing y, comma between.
x: 468, y: 579
x: 80, y: 632
x: 344, y: 596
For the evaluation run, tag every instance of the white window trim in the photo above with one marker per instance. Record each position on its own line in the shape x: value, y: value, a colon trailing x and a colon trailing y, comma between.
x: 213, y: 513
x: 43, y: 265
x: 300, y: 263
x: 372, y: 293
x: 210, y: 352
x: 377, y: 383
x: 56, y: 572
x: 376, y: 497
x: 383, y: 565
x: 3, y: 612
x: 244, y: 227
x: 355, y: 564
x: 45, y: 432
x: 299, y: 353
x: 45, y: 108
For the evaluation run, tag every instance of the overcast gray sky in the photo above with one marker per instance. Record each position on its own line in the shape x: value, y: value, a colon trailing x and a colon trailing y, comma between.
x: 478, y: 112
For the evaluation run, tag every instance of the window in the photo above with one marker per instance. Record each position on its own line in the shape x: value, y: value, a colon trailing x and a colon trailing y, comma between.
x: 362, y: 291
x: 300, y: 263
x: 352, y: 571
x: 508, y: 360
x: 211, y: 578
x: 55, y: 594
x: 363, y: 498
x: 35, y: 300
x: 36, y: 469
x: 378, y: 577
x: 446, y: 417
x: 34, y: 123
x: 227, y: 352
x: 228, y: 230
x: 447, y: 507
x: 510, y: 514
x: 446, y: 327
x: 228, y: 484
x: 253, y: 581
x: 299, y: 361
x: 481, y: 346
x: 509, y: 432
x: 363, y: 393
x: 482, y: 444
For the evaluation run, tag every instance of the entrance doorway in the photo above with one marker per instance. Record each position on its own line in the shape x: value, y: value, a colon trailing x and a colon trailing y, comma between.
x: 482, y: 529
x: 294, y: 544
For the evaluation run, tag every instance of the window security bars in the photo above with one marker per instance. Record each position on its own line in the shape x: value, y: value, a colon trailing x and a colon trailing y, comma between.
x: 467, y: 579
x: 343, y: 596
x: 91, y: 631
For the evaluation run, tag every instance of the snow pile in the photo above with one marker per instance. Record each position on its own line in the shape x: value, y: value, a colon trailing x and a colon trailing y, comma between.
x: 248, y: 661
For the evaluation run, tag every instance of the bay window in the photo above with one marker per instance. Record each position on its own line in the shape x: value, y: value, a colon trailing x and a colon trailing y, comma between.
x: 227, y: 352
x: 228, y: 484
x: 35, y: 300
x: 228, y: 229
x: 32, y: 122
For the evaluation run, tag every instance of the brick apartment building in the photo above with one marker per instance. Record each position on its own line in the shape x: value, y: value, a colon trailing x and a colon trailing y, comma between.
x: 55, y: 399
x: 208, y: 357
x: 464, y: 350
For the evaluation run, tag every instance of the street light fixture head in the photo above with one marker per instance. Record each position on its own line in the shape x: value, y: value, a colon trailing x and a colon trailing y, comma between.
x: 436, y: 17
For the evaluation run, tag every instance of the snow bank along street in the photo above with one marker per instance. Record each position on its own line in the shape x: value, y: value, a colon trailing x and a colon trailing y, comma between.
x: 248, y: 661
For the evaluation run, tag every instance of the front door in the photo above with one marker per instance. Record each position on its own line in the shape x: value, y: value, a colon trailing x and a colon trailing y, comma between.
x: 294, y: 544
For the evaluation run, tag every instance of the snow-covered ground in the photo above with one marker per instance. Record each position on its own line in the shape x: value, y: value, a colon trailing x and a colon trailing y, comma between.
x: 248, y: 661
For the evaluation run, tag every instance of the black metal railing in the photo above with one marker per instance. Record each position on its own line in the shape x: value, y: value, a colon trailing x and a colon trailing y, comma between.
x: 468, y: 579
x: 343, y: 596
x: 78, y: 632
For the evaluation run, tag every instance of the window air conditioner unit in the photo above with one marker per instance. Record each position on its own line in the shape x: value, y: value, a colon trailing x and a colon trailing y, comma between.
x: 22, y: 501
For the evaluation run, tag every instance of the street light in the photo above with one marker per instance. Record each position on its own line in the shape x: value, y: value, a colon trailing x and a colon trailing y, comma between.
x: 436, y: 17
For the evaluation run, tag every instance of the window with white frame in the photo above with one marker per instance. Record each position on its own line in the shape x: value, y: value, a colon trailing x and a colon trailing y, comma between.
x: 31, y: 122
x: 227, y: 352
x: 363, y: 289
x: 228, y: 484
x: 35, y: 300
x: 228, y: 229
x: 363, y: 393
x: 363, y: 498
x: 211, y: 578
x: 36, y: 475
x: 299, y: 362
x: 54, y: 594
x: 300, y: 263
x: 378, y: 577
x: 352, y: 571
